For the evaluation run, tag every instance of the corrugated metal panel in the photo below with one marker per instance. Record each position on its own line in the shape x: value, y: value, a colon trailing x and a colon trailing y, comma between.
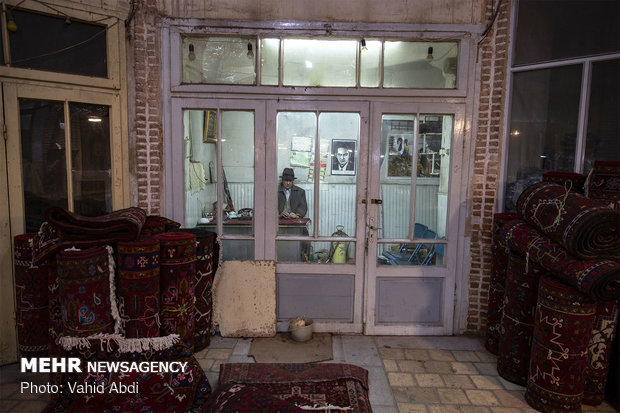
x: 395, y: 208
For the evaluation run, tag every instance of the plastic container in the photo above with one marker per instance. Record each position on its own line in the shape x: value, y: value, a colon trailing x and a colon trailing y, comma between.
x: 302, y: 332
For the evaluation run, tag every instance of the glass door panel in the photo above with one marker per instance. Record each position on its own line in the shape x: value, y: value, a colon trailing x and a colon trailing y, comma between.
x: 325, y: 206
x: 221, y: 199
x: 429, y: 146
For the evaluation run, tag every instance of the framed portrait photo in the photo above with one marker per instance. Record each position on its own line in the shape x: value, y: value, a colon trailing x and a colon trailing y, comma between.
x: 343, y: 156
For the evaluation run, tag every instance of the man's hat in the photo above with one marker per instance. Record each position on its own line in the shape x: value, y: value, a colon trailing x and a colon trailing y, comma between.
x: 288, y: 174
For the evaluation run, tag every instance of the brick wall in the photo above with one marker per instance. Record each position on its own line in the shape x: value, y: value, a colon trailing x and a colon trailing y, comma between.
x: 147, y: 136
x: 493, y: 57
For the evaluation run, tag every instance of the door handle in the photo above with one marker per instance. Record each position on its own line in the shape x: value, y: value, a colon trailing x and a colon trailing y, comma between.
x: 376, y: 201
x: 373, y: 227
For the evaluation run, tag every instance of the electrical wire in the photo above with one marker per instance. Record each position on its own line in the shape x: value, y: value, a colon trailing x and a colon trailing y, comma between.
x: 490, y: 25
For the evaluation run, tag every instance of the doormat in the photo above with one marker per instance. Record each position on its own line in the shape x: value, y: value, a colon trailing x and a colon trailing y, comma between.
x: 283, y: 349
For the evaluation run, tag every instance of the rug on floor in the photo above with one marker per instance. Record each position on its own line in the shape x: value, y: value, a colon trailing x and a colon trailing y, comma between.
x: 310, y: 386
x: 283, y: 349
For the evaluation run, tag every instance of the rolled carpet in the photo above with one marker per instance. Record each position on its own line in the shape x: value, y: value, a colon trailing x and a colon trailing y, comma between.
x: 603, y: 183
x: 497, y: 283
x: 31, y: 297
x: 138, y: 287
x: 599, y: 352
x: 570, y: 180
x: 207, y: 254
x: 177, y: 275
x: 84, y: 281
x: 562, y: 331
x: 517, y: 325
x: 587, y: 228
x: 598, y: 279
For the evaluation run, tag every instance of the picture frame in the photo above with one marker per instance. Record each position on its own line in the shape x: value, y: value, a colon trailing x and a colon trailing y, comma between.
x: 210, y: 126
x: 399, y: 155
x: 343, y: 154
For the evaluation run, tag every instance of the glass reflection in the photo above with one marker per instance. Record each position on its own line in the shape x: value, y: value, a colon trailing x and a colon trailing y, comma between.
x: 420, y: 64
x: 411, y: 254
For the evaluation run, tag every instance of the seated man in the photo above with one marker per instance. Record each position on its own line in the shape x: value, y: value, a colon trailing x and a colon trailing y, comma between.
x: 291, y: 198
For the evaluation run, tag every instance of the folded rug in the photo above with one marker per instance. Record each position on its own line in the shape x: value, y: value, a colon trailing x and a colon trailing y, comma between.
x: 156, y: 224
x: 138, y: 287
x: 310, y: 386
x: 599, y: 352
x: 570, y: 180
x: 517, y: 325
x: 31, y: 299
x: 177, y: 275
x: 603, y: 182
x: 207, y: 257
x: 234, y: 397
x: 562, y: 331
x: 598, y: 279
x: 495, y: 306
x: 186, y: 390
x: 124, y: 224
x: 86, y: 290
x: 587, y: 228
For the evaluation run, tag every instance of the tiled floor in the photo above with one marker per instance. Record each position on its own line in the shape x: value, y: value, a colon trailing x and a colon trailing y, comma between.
x: 406, y: 375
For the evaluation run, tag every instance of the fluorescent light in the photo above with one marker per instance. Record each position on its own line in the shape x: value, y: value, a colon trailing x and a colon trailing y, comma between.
x: 94, y: 119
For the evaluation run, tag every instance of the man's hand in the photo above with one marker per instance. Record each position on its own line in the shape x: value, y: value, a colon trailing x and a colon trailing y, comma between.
x: 284, y: 214
x: 293, y: 215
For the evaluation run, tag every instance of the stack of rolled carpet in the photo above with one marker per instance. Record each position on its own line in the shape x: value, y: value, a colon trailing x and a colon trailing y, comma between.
x: 558, y: 276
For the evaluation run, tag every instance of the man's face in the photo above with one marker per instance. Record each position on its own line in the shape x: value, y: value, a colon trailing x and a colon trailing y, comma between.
x: 287, y: 183
x: 343, y: 156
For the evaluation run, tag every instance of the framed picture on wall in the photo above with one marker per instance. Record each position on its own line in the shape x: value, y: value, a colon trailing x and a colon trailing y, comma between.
x: 399, y: 155
x: 343, y: 156
x: 210, y: 127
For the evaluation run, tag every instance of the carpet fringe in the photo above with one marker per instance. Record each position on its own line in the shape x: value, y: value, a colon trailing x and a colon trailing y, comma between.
x: 125, y: 345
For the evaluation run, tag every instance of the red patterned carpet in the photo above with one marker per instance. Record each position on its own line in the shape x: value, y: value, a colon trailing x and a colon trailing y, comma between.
x: 286, y: 387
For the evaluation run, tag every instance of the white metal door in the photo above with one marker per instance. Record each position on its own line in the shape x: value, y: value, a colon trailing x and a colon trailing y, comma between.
x: 412, y: 218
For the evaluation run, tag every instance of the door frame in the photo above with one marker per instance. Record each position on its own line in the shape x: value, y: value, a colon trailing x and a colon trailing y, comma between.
x: 455, y: 196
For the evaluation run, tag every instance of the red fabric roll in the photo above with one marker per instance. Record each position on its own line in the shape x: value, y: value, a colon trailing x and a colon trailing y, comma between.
x: 177, y: 275
x: 562, y: 332
x: 517, y: 325
x: 84, y: 288
x: 498, y: 280
x: 138, y: 287
x: 31, y: 296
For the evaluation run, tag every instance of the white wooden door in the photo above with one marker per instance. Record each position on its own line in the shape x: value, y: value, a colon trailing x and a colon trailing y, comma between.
x: 412, y: 218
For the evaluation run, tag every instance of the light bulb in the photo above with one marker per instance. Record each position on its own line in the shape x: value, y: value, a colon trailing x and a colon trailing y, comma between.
x: 10, y: 24
x: 429, y: 55
x: 191, y: 55
x: 363, y: 43
x: 250, y: 53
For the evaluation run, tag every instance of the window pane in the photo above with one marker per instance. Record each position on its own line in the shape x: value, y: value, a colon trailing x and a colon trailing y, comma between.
x: 90, y: 159
x: 550, y: 30
x: 602, y: 142
x: 270, y: 49
x: 420, y: 64
x: 314, y: 62
x: 336, y: 252
x: 238, y: 170
x: 543, y: 126
x: 397, y: 152
x: 411, y: 254
x: 200, y: 161
x: 339, y: 134
x: 221, y: 60
x: 370, y: 59
x: 48, y: 43
x: 44, y: 167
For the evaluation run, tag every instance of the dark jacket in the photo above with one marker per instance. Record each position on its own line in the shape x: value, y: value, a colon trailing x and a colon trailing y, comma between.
x: 297, y: 200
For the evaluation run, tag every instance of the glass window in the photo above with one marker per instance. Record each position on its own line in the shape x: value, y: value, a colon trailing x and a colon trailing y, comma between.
x: 203, y: 205
x: 334, y: 206
x: 551, y: 30
x: 44, y: 148
x: 90, y: 159
x: 220, y: 60
x: 420, y: 64
x: 370, y: 59
x: 316, y: 62
x: 543, y: 126
x: 49, y: 43
x: 428, y: 151
x: 270, y: 61
x: 603, y: 120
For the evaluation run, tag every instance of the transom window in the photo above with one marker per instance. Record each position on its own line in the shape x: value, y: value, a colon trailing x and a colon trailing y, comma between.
x: 320, y: 62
